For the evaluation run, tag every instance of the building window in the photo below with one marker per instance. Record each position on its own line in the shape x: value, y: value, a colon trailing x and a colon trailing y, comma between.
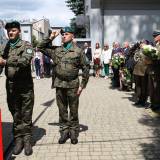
x: 25, y: 31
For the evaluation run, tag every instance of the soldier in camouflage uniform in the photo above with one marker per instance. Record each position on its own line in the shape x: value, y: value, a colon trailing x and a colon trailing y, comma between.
x: 16, y: 59
x: 154, y: 77
x: 68, y: 59
x: 140, y: 77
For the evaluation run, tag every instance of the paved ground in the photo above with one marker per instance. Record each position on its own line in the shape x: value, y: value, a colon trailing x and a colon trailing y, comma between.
x: 111, y: 127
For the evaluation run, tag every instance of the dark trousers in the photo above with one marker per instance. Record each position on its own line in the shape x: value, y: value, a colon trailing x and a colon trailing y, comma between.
x: 67, y: 97
x: 141, y: 83
x: 20, y: 101
x: 47, y: 68
x: 154, y: 85
x: 116, y: 82
x: 38, y: 69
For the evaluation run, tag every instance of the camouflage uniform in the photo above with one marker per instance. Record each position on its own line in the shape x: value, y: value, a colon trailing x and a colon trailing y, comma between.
x: 67, y: 65
x: 141, y: 79
x: 154, y: 83
x: 19, y: 86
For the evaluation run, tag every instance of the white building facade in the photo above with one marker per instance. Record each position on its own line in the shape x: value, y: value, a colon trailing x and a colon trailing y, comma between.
x: 41, y: 28
x: 26, y: 31
x: 122, y: 20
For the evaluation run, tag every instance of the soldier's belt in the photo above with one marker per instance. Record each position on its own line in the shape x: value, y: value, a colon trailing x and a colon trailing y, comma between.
x: 67, y: 78
x: 27, y: 81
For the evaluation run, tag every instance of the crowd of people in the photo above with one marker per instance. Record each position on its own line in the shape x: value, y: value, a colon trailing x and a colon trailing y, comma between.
x: 133, y: 66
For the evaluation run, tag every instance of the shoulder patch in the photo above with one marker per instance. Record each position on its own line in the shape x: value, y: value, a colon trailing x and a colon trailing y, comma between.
x: 29, y: 51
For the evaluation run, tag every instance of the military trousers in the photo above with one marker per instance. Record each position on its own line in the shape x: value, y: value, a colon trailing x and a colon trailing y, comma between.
x: 20, y: 101
x: 141, y: 83
x: 68, y: 98
x: 154, y: 85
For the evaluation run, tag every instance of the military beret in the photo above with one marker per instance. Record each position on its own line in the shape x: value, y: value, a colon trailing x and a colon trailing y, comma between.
x: 156, y: 33
x: 67, y: 29
x: 13, y: 24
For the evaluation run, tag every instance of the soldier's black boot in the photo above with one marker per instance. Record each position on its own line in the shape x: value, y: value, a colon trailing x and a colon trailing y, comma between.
x: 64, y: 136
x: 18, y: 147
x: 143, y: 103
x: 137, y: 103
x: 155, y: 108
x: 27, y: 146
x: 73, y: 137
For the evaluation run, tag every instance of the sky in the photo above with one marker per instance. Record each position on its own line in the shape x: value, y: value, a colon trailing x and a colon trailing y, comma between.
x: 54, y: 10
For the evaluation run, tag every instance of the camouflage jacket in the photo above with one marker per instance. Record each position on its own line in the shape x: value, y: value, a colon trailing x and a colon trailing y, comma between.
x: 18, y: 62
x: 140, y: 67
x: 67, y: 65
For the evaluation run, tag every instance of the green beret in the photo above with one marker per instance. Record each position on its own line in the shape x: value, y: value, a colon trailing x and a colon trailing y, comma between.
x: 13, y: 24
x: 156, y: 33
x: 67, y: 29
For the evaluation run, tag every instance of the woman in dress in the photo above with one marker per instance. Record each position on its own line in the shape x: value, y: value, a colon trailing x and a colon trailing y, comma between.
x: 96, y: 58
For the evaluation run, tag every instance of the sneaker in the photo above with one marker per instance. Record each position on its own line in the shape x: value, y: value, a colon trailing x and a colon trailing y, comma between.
x: 137, y: 103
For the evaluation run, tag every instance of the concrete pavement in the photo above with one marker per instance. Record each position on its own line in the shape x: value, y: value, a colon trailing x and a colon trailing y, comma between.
x: 111, y: 127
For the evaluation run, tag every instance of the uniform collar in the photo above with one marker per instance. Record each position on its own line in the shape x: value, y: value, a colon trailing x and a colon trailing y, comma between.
x: 70, y: 47
x: 15, y: 44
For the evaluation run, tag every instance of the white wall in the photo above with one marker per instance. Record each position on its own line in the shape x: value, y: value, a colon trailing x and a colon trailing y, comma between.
x: 42, y: 26
x: 96, y: 27
x: 39, y: 35
x: 96, y: 23
x: 131, y: 25
x: 26, y: 33
x: 121, y: 20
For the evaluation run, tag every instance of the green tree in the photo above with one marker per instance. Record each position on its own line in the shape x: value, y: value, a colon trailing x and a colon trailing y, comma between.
x: 76, y: 6
x: 80, y: 32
